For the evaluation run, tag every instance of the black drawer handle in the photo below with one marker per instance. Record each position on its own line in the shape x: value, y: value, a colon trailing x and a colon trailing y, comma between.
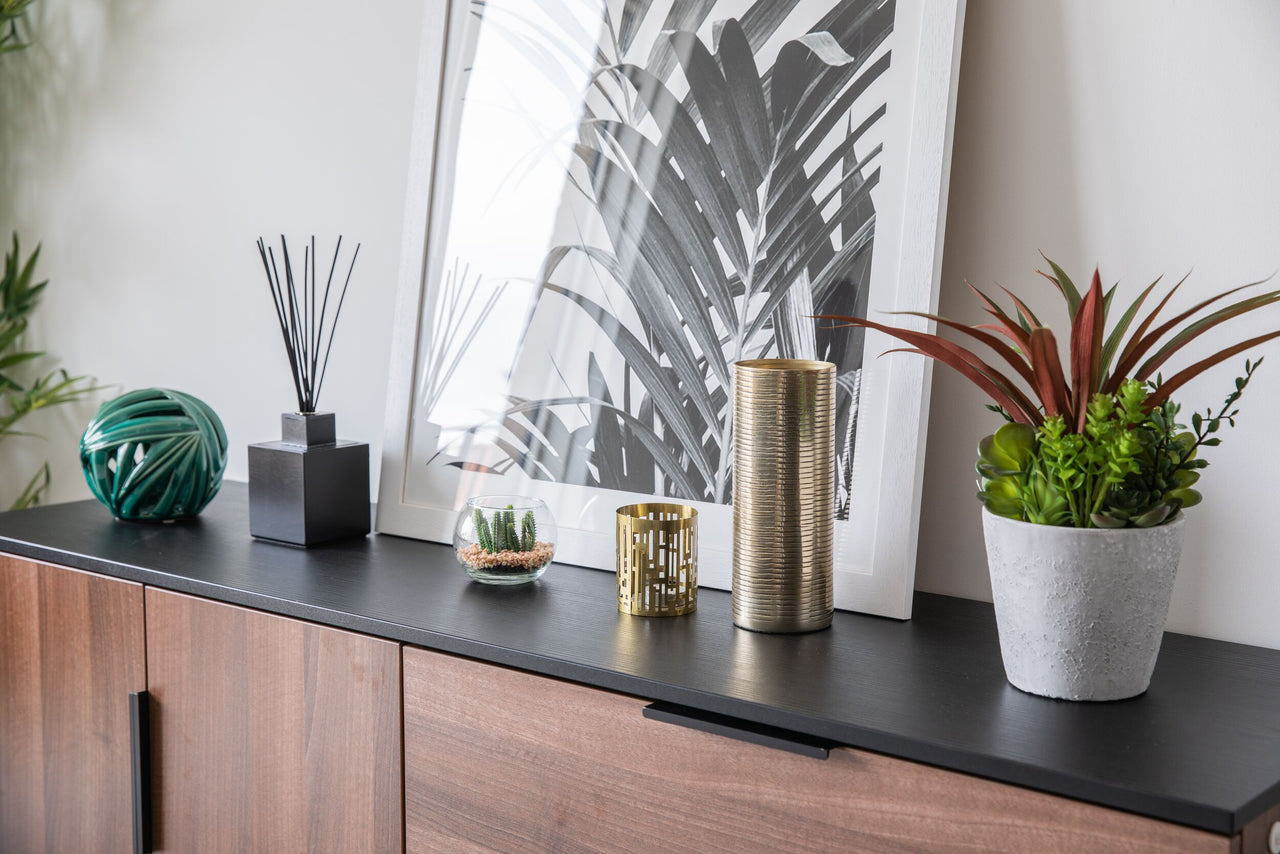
x: 140, y: 747
x: 762, y: 734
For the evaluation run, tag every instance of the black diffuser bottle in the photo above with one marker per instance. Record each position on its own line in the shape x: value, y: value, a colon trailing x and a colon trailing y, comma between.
x: 310, y: 487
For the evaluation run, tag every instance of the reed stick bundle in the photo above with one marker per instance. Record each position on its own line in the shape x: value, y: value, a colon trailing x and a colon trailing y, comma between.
x: 303, y: 311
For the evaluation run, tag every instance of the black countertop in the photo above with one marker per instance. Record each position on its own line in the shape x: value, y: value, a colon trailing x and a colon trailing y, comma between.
x: 1201, y: 747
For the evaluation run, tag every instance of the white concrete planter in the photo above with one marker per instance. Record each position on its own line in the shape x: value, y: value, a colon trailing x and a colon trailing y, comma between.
x: 1081, y: 611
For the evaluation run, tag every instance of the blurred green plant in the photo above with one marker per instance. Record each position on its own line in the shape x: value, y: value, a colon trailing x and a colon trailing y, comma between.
x: 12, y: 13
x: 19, y: 297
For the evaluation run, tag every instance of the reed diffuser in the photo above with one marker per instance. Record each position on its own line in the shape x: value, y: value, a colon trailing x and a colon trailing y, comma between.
x: 302, y: 314
x: 310, y: 487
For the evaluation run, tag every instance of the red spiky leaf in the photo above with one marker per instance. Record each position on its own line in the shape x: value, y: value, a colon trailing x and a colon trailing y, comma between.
x: 1023, y: 310
x: 1003, y: 391
x: 1018, y: 362
x: 1116, y: 337
x: 1204, y: 324
x: 1008, y: 326
x: 1050, y: 382
x: 1063, y: 283
x: 1086, y: 348
x: 1142, y: 341
x: 1179, y: 379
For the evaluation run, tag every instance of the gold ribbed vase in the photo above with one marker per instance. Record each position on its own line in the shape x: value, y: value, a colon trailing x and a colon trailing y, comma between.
x: 783, y: 494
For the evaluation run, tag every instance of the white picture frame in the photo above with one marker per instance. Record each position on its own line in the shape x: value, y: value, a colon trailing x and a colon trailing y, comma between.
x: 876, y: 544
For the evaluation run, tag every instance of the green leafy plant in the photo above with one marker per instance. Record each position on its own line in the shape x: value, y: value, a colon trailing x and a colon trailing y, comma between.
x: 19, y: 297
x: 1098, y: 445
x: 12, y: 12
x: 1131, y: 467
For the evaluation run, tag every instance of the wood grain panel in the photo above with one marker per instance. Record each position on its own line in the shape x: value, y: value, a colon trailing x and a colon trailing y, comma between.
x: 1256, y: 838
x: 71, y: 651
x: 501, y: 760
x: 270, y: 734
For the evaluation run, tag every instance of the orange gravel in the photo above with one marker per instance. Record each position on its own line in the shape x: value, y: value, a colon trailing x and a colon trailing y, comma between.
x: 476, y: 557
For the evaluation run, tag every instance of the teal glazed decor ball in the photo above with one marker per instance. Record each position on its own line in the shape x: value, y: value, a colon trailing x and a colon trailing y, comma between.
x: 154, y: 455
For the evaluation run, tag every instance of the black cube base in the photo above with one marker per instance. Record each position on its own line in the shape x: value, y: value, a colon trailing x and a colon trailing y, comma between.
x: 307, y: 494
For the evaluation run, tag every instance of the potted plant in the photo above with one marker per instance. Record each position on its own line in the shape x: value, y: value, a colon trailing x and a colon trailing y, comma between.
x: 504, y: 539
x: 1083, y: 488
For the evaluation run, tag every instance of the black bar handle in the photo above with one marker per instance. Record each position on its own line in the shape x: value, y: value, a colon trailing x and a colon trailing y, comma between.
x: 140, y: 747
x: 762, y: 734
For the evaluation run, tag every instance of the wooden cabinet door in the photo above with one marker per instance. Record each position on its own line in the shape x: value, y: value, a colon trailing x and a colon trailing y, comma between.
x: 500, y: 760
x: 270, y: 734
x: 71, y: 651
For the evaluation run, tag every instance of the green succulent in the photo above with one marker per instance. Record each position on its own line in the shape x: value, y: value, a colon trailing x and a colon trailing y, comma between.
x: 1004, y: 458
x: 1132, y: 466
x: 499, y: 534
x: 1013, y: 480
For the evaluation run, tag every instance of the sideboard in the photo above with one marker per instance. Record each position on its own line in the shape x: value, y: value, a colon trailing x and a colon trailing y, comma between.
x: 183, y: 687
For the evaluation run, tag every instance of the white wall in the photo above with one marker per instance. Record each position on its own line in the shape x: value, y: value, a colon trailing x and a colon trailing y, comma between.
x: 161, y: 140
x: 1141, y: 137
x: 149, y: 145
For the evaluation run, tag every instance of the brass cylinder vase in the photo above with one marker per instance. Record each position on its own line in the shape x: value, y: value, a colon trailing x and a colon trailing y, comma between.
x: 657, y: 560
x: 783, y: 494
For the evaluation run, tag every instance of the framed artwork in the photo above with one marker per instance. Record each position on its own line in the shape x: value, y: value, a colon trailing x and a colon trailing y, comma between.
x: 610, y: 202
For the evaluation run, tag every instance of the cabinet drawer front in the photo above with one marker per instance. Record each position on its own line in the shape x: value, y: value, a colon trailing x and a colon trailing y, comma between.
x: 71, y: 651
x: 502, y: 760
x: 270, y: 734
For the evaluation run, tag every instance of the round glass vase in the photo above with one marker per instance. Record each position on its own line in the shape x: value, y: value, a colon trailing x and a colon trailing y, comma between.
x: 504, y: 539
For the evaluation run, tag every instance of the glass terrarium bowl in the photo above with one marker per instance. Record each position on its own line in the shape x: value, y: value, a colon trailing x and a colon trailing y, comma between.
x: 504, y: 539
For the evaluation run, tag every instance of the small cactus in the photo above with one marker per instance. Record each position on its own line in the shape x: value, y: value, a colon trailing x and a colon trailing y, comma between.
x: 528, y: 532
x: 501, y: 535
x: 483, y: 535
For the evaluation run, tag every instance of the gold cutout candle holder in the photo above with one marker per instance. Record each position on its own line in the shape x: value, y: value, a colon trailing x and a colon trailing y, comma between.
x: 657, y: 560
x: 783, y: 494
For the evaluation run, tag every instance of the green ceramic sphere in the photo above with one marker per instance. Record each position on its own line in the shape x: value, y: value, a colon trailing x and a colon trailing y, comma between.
x: 154, y: 455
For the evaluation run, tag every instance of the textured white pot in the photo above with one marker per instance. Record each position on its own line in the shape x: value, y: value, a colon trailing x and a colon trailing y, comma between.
x: 1081, y: 611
